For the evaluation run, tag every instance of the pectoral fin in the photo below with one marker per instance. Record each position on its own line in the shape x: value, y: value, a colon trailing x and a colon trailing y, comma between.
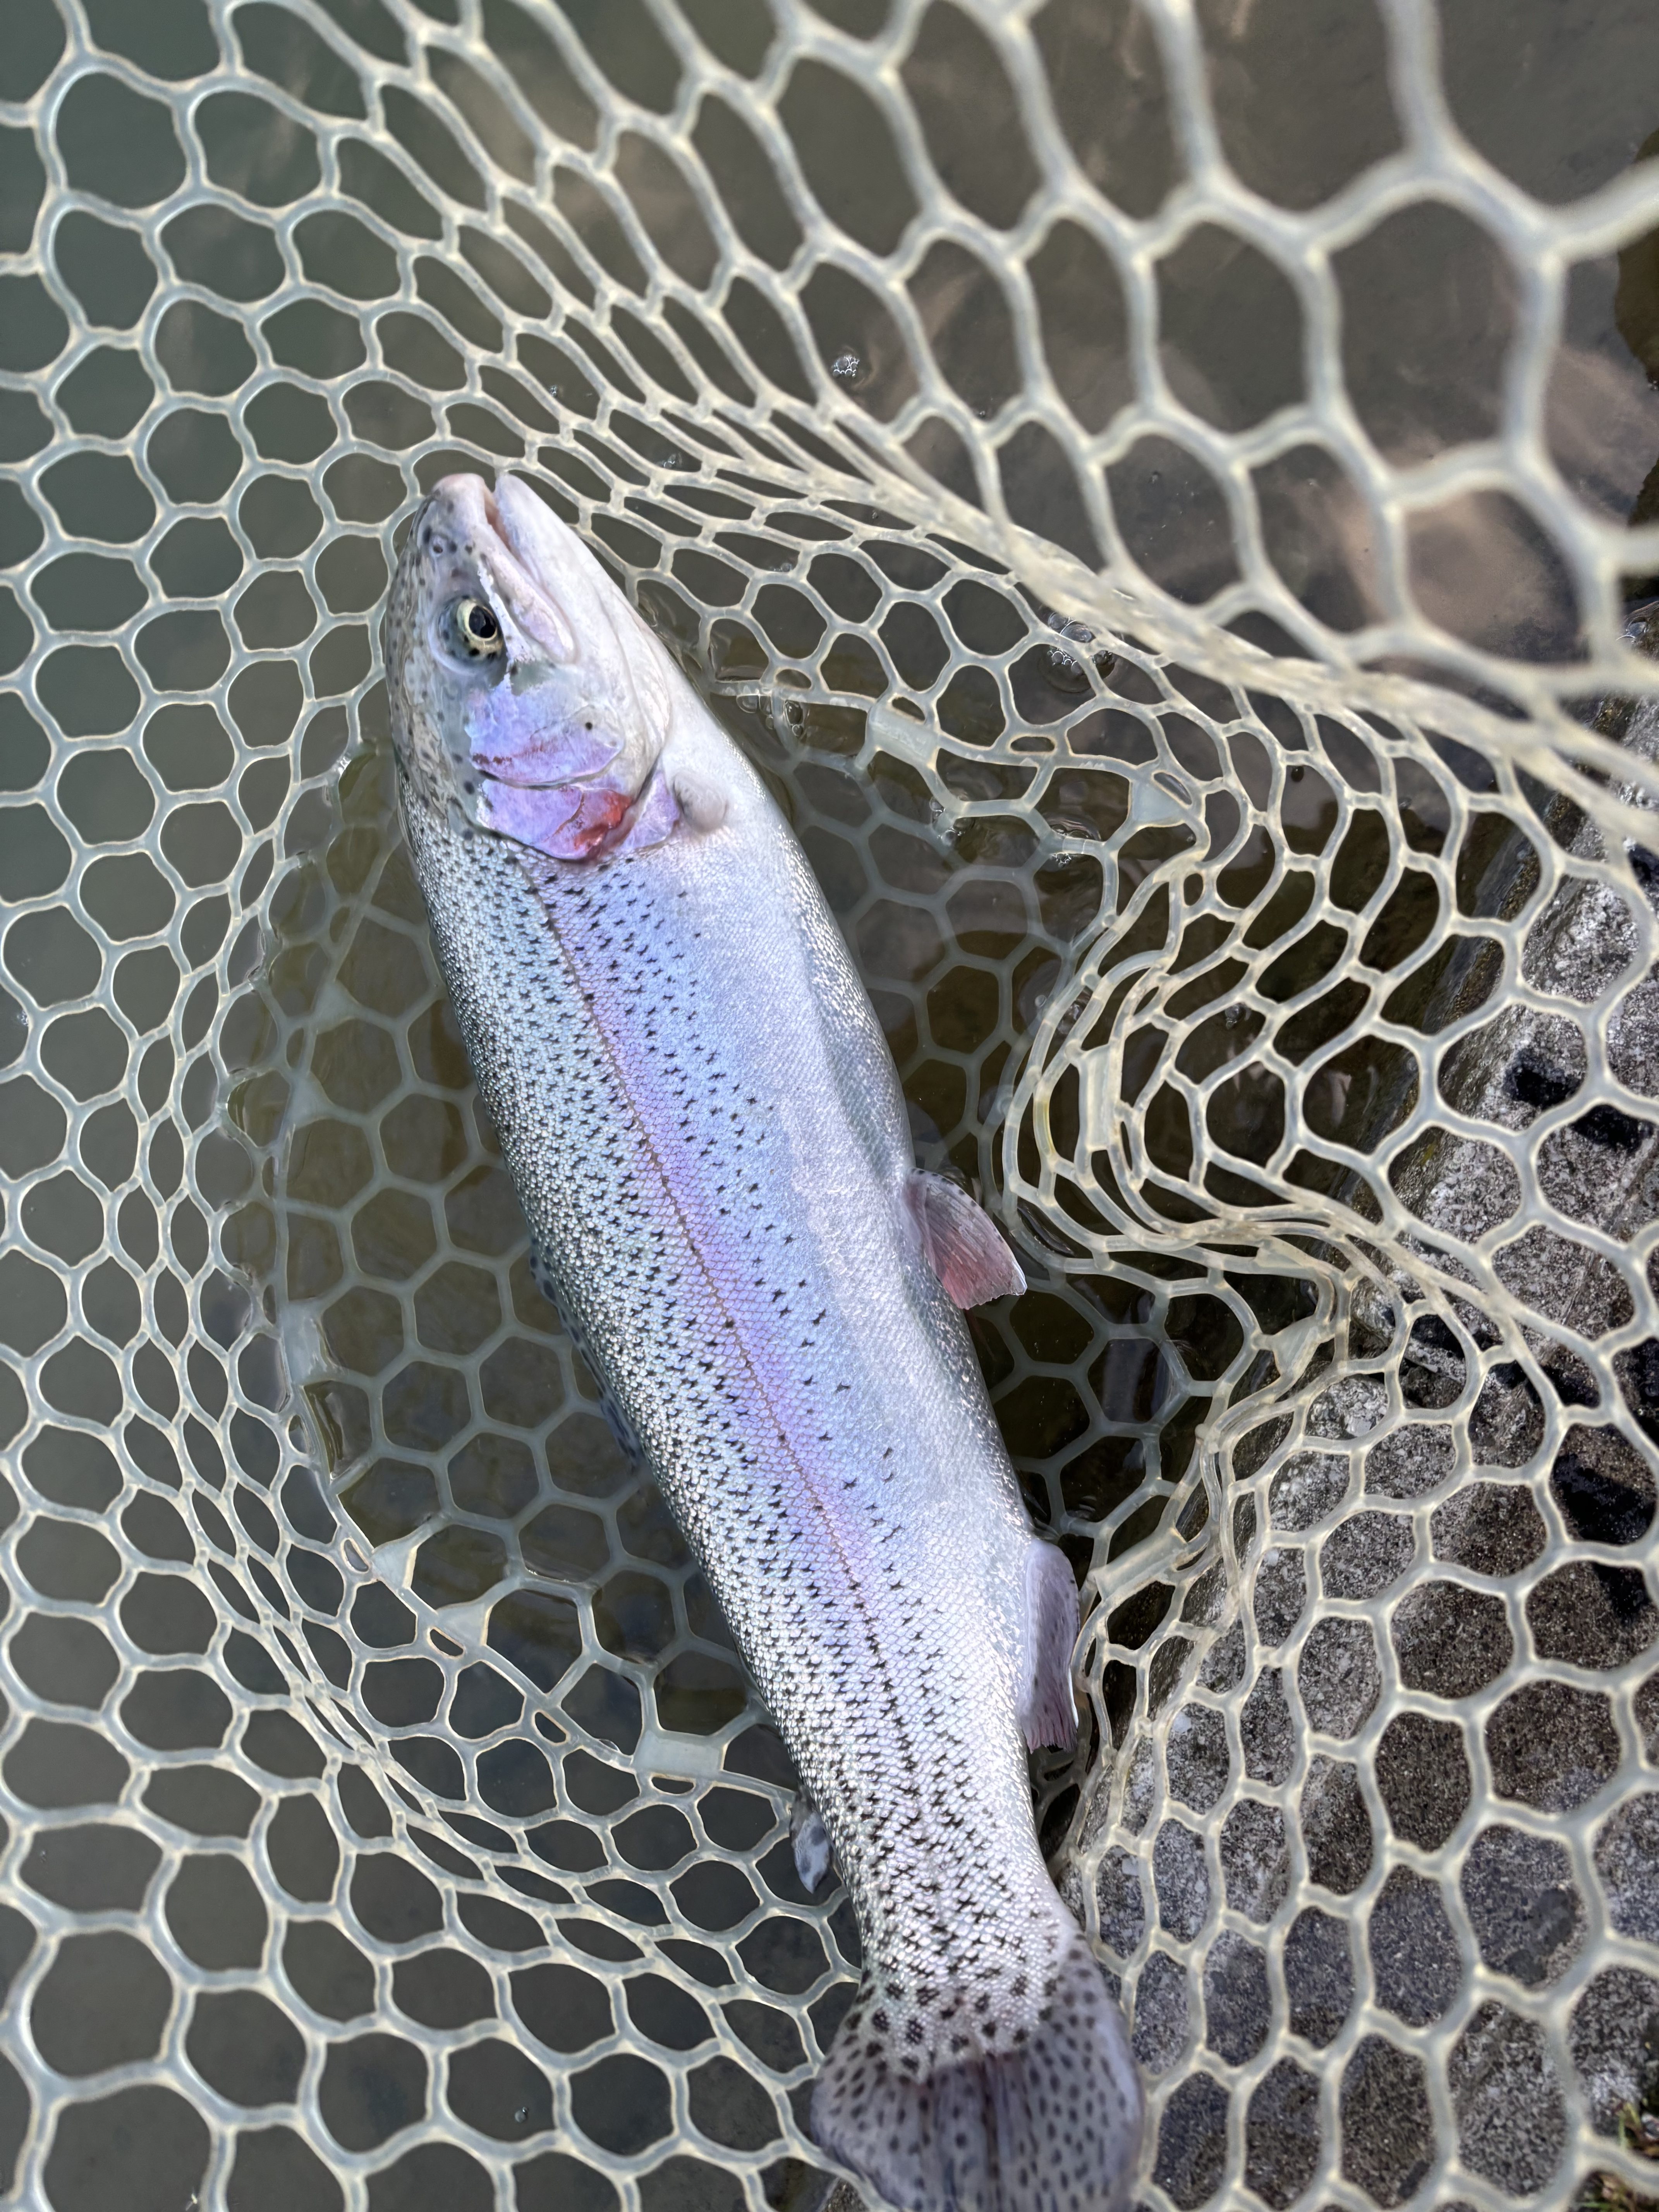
x: 964, y: 1245
x: 1047, y: 1712
x: 655, y: 816
x: 810, y: 1840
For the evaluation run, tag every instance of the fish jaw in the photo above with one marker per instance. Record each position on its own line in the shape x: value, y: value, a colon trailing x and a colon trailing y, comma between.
x: 549, y: 733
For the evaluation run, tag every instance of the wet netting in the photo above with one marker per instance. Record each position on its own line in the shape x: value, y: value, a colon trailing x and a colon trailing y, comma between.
x: 1159, y: 489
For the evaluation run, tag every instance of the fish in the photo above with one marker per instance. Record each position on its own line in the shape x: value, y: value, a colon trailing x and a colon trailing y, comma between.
x: 706, y: 1133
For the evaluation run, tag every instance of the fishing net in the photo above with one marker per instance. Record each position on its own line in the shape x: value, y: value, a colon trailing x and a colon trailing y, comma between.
x: 1158, y: 491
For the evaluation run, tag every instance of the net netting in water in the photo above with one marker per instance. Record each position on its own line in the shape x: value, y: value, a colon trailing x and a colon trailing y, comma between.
x: 1157, y: 490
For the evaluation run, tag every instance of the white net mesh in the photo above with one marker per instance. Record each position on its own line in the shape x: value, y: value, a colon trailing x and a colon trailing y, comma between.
x: 1158, y: 492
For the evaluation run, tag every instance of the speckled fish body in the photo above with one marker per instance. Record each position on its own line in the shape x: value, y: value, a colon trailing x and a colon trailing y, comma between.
x: 705, y: 1130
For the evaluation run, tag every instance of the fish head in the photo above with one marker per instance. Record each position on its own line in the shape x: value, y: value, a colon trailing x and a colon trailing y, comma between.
x: 527, y: 697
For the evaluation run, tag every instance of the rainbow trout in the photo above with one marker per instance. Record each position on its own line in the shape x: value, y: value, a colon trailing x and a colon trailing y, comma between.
x: 705, y: 1130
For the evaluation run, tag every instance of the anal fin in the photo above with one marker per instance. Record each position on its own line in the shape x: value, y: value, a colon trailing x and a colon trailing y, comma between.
x: 810, y: 1841
x: 964, y: 1246
x: 1047, y: 1711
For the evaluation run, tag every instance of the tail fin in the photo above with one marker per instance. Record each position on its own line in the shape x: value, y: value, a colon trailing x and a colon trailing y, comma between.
x: 1053, y: 2125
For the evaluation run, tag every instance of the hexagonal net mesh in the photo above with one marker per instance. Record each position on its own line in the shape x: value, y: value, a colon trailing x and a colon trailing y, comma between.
x: 1157, y: 489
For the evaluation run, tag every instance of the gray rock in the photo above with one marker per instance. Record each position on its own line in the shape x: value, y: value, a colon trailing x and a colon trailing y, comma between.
x: 1633, y: 1037
x: 1255, y: 1860
x: 1388, y: 2127
x: 1121, y: 1902
x: 1413, y: 1459
x: 1281, y: 1591
x: 1573, y: 1166
x: 1181, y: 1880
x: 1506, y: 1422
x: 1628, y: 1860
x: 1416, y: 1969
x: 1373, y: 1319
x: 1351, y: 1407
x: 1530, y: 1061
x: 1570, y: 1377
x: 1161, y: 2020
x: 1646, y: 1702
x: 1222, y: 1667
x: 1195, y: 1756
x: 1552, y: 1746
x: 1423, y: 1774
x: 1318, y: 1976
x: 1603, y: 1485
x: 1459, y: 1185
x: 1526, y: 1912
x: 1366, y: 1554
x: 1565, y: 1281
x: 1614, y: 2041
x: 1491, y: 1528
x: 1237, y: 1998
x: 1434, y: 1372
x: 1338, y: 1676
x: 1511, y: 2119
x: 1192, y: 2142
x: 1140, y: 1787
x: 1592, y: 1615
x: 1582, y: 941
x: 1336, y: 1828
x: 1307, y: 1487
x: 1266, y: 1730
x: 1450, y: 1640
x: 1281, y: 2135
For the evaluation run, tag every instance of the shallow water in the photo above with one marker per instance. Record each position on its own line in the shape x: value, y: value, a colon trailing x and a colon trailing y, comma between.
x: 374, y: 1754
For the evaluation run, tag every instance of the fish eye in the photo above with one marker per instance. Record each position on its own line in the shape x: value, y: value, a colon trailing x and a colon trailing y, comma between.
x: 474, y: 634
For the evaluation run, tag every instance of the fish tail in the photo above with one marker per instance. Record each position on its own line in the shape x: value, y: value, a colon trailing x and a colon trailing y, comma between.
x: 1052, y: 2125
